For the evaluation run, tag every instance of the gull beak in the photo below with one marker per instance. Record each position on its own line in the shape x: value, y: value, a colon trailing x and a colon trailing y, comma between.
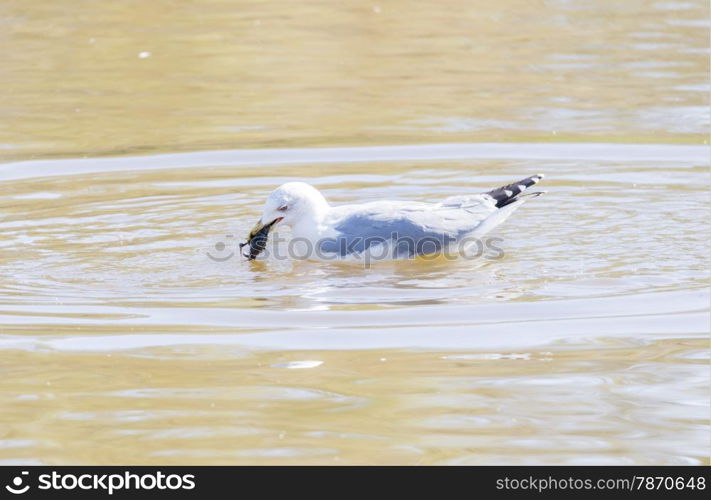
x: 259, y: 226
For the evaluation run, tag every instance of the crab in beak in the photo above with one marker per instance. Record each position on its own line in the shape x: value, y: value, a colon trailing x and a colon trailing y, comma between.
x: 257, y: 239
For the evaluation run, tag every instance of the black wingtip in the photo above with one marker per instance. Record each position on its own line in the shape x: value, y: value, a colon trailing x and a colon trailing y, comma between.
x: 508, y: 193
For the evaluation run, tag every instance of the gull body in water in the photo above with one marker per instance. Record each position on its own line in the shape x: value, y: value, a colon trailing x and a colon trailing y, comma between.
x: 383, y: 229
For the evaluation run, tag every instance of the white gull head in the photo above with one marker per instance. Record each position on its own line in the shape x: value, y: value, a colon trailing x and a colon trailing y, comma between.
x: 297, y: 205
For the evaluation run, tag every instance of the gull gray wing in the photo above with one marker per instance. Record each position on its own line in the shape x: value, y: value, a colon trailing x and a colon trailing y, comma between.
x: 413, y: 229
x: 420, y: 228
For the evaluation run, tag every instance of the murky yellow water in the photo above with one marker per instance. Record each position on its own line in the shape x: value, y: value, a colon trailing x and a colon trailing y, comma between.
x: 121, y: 341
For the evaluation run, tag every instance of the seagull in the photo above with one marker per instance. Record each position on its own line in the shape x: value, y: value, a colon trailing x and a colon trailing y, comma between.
x: 387, y: 230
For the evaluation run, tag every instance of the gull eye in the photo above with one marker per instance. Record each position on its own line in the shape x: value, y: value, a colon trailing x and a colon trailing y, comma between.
x: 283, y: 208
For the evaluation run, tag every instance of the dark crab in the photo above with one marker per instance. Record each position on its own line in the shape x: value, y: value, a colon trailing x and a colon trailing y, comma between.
x: 257, y: 240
